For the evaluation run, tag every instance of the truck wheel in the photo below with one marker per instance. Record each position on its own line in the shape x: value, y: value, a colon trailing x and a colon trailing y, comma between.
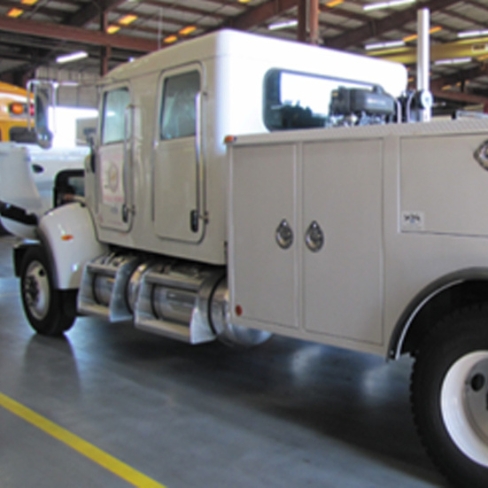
x: 49, y: 311
x: 449, y: 393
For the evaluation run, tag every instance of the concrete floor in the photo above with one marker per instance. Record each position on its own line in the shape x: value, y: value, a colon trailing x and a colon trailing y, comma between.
x: 285, y: 414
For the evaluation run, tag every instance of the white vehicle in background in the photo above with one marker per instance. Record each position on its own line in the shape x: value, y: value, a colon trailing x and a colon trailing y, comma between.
x: 364, y: 232
x: 28, y: 176
x: 34, y: 176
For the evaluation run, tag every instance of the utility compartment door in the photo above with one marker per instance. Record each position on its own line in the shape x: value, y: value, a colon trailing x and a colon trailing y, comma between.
x: 178, y: 162
x: 342, y: 276
x: 114, y: 165
x: 263, y: 223
x: 443, y: 184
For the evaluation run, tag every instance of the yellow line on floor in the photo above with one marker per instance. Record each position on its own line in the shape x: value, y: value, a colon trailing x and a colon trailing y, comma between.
x: 88, y: 450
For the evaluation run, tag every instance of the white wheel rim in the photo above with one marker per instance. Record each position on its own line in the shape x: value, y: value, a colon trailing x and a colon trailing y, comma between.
x: 464, y: 405
x: 36, y: 290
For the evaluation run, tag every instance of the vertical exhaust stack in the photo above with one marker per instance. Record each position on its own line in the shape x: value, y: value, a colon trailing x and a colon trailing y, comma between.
x: 423, y: 65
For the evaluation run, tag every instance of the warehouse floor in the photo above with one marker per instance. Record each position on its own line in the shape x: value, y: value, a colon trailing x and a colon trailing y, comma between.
x: 109, y: 406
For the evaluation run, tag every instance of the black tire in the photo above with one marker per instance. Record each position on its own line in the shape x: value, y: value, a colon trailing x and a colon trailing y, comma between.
x: 449, y: 394
x: 49, y: 311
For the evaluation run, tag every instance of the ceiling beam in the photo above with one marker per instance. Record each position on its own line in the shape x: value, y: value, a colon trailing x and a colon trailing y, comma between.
x: 91, y: 12
x: 459, y: 77
x: 75, y: 34
x: 260, y: 14
x: 467, y: 48
x: 21, y: 43
x: 375, y: 28
x: 460, y: 97
x: 182, y: 8
x: 342, y: 12
x: 469, y: 20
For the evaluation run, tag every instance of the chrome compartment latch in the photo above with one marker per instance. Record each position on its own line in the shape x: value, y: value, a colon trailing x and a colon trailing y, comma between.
x: 314, y: 237
x: 284, y: 235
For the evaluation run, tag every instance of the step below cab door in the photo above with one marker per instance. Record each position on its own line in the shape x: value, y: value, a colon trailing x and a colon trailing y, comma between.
x: 114, y: 167
x: 178, y: 162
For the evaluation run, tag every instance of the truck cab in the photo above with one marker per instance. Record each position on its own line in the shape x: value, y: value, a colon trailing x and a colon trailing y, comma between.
x: 160, y: 175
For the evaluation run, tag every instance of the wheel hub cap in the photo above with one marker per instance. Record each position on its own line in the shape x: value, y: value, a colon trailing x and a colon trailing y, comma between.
x: 464, y: 405
x: 36, y: 290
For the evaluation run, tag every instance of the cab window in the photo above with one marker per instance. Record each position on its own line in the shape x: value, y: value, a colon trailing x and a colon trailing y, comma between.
x: 178, y: 110
x: 298, y: 100
x: 115, y: 103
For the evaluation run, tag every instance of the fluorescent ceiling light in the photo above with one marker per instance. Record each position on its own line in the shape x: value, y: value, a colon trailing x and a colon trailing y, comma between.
x: 283, y: 25
x: 452, y: 61
x: 28, y: 2
x: 170, y: 39
x: 334, y: 3
x: 390, y: 3
x: 15, y: 12
x: 112, y: 29
x: 477, y: 33
x: 67, y: 58
x: 384, y: 45
x: 187, y: 30
x: 127, y: 19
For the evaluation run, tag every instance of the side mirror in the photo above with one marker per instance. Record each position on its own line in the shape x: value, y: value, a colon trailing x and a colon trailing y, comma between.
x: 43, y: 95
x: 92, y: 141
x: 44, y: 138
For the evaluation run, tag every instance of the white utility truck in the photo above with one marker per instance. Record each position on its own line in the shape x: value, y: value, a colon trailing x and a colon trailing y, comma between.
x: 360, y: 231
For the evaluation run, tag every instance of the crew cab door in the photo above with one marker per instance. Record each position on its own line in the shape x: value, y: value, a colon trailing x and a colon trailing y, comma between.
x: 178, y: 183
x: 114, y: 163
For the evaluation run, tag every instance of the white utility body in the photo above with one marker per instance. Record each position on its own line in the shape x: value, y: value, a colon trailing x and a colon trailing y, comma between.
x: 398, y: 206
x: 360, y: 231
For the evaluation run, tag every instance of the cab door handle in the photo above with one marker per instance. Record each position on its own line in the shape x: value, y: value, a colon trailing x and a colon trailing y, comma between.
x: 194, y: 218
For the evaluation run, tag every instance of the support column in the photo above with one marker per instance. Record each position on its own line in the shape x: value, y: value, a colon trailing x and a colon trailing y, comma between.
x: 308, y: 21
x: 302, y: 21
x: 105, y: 51
x: 423, y: 64
x: 313, y: 17
x: 105, y: 54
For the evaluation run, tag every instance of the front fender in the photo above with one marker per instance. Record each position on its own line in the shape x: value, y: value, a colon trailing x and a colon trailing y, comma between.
x: 68, y: 234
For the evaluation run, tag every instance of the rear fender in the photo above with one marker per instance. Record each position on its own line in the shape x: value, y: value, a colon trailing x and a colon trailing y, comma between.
x: 437, y: 300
